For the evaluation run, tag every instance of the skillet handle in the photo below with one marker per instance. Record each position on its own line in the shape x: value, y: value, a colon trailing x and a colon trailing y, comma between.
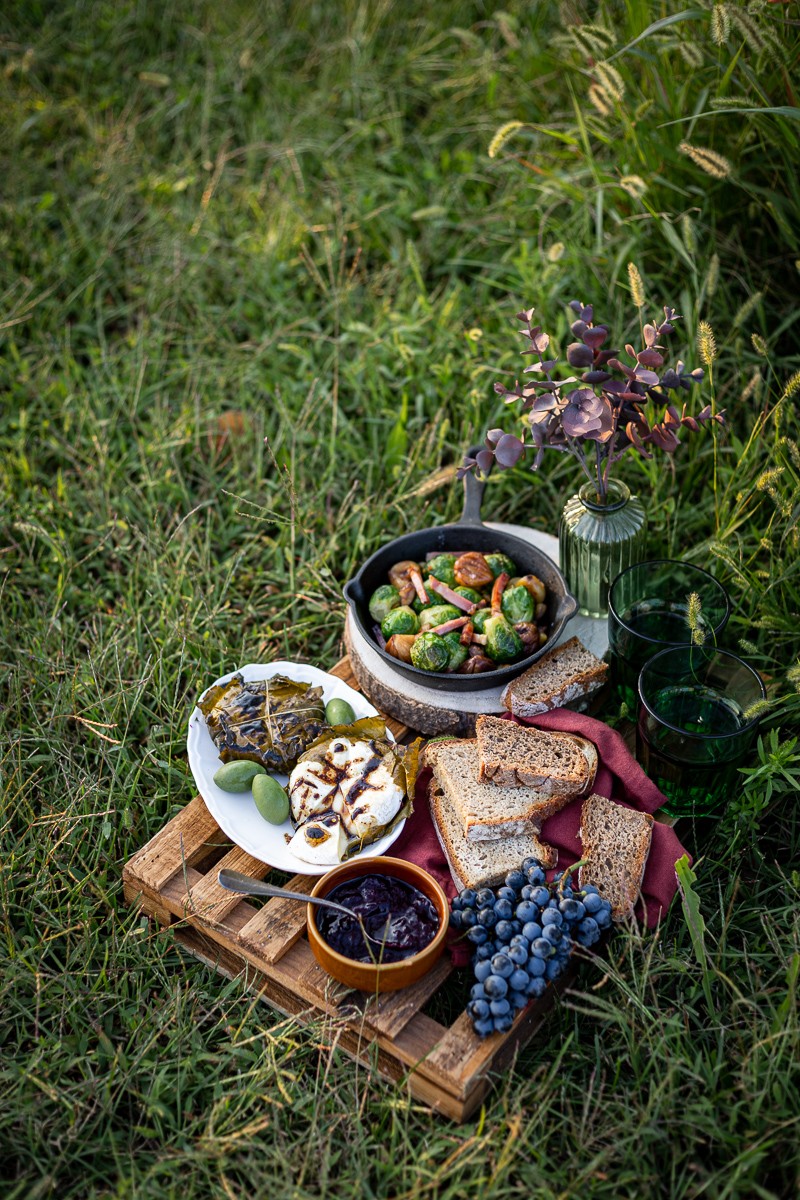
x: 473, y: 494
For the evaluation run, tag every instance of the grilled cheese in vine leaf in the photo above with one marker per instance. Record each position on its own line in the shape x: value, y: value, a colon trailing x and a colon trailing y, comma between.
x: 268, y: 721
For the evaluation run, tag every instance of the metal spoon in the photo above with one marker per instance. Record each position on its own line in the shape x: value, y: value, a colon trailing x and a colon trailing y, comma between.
x: 235, y: 881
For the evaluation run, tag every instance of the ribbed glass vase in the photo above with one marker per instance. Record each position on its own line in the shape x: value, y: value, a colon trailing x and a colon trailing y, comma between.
x: 598, y: 540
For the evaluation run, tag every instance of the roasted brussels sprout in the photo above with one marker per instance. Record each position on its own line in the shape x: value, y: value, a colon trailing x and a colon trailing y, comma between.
x: 399, y: 620
x: 430, y: 652
x: 480, y: 618
x: 499, y: 563
x: 457, y: 652
x: 429, y: 618
x: 470, y: 594
x: 399, y: 646
x: 382, y: 601
x: 517, y: 604
x: 432, y: 600
x: 442, y: 568
x: 502, y: 641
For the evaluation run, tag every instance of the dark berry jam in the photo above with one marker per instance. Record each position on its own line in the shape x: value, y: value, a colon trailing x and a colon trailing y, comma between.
x: 376, y: 898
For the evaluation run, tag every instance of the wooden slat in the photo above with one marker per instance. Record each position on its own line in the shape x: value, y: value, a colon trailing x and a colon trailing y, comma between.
x: 467, y: 1059
x: 390, y: 1013
x: 211, y: 903
x: 183, y: 841
x: 299, y: 970
x: 279, y: 924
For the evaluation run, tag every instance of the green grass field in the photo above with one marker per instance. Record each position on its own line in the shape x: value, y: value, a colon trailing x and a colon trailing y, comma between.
x: 258, y: 274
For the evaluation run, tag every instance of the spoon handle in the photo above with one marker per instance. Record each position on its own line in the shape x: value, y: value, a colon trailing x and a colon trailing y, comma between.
x: 235, y: 881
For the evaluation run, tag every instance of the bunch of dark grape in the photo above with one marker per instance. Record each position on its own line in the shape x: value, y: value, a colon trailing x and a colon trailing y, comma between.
x: 524, y: 934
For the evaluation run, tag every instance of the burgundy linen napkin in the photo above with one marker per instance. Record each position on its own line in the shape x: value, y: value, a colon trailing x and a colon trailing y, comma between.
x: 619, y: 777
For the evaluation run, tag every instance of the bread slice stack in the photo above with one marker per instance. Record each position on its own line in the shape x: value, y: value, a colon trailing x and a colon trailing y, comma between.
x: 564, y: 674
x: 490, y: 795
x: 556, y: 764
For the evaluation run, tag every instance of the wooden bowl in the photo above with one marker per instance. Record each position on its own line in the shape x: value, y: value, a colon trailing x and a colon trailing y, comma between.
x: 385, y: 977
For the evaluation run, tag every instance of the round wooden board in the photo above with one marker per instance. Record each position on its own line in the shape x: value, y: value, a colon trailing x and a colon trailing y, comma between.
x: 435, y: 712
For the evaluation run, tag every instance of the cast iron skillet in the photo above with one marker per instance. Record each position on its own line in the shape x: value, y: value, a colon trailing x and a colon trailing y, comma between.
x: 469, y: 533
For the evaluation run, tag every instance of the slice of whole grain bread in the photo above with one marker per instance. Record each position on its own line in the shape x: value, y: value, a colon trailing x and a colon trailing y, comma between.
x: 616, y: 843
x: 562, y: 675
x: 480, y: 864
x: 486, y: 812
x: 512, y: 755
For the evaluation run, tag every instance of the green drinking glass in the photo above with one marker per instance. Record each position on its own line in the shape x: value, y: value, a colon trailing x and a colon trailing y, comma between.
x: 696, y: 724
x: 648, y: 610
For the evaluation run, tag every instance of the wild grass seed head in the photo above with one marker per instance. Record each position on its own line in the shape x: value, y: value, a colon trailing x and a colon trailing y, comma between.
x: 706, y: 343
x: 707, y: 160
x: 747, y: 27
x: 601, y: 99
x: 792, y: 386
x: 732, y: 102
x: 592, y: 41
x: 720, y: 24
x: 712, y: 278
x: 758, y: 708
x: 610, y: 80
x: 502, y: 135
x: 752, y: 387
x: 793, y: 676
x: 637, y: 287
x: 767, y: 479
x: 691, y: 54
x: 634, y: 185
x: 759, y: 345
x: 689, y: 239
x: 788, y: 444
x: 694, y: 616
x: 747, y: 308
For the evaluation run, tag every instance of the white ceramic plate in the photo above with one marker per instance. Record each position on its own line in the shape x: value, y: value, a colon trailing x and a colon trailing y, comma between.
x: 236, y: 813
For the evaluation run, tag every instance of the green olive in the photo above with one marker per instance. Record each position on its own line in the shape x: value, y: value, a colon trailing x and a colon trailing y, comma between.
x: 237, y: 776
x: 339, y: 712
x: 270, y: 799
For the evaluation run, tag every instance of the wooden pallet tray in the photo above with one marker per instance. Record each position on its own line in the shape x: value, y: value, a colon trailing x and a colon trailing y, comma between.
x: 173, y: 880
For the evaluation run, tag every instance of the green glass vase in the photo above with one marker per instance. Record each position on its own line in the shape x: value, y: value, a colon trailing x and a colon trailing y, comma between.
x: 597, y: 540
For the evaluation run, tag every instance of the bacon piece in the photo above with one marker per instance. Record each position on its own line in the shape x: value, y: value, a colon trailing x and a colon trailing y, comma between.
x: 500, y: 585
x: 479, y: 639
x: 449, y: 626
x: 419, y: 586
x: 450, y: 596
x: 467, y: 633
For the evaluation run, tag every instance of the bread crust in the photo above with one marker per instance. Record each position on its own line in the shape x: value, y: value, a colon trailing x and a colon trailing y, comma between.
x: 579, y: 684
x: 448, y: 833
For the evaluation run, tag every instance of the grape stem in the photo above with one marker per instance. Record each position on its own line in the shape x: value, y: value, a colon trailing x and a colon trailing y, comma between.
x: 565, y: 875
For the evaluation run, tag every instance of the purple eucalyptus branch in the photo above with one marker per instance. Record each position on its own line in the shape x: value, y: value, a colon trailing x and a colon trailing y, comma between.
x: 606, y: 408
